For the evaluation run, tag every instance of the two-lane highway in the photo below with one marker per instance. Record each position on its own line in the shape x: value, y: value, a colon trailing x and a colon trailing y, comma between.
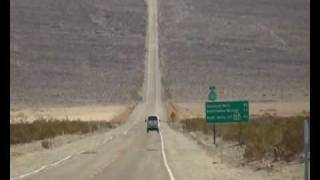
x: 133, y: 154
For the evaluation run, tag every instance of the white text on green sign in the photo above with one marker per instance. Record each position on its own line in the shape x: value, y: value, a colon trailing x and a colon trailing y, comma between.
x: 227, y: 111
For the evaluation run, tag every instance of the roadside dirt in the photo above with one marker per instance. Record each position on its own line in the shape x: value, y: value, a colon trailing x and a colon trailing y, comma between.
x: 191, y: 161
x: 117, y: 114
x: 23, y: 149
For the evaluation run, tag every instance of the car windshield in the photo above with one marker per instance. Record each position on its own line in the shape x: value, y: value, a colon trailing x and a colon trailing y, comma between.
x: 152, y: 118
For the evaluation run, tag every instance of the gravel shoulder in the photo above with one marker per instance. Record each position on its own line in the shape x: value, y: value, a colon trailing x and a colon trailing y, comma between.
x: 35, y: 158
x: 31, y: 156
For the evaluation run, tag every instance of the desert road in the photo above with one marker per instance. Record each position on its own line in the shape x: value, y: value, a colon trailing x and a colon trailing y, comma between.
x: 127, y: 152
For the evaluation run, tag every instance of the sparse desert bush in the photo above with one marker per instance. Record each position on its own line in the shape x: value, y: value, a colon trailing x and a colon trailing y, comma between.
x: 172, y: 116
x: 280, y: 138
x: 40, y: 129
x: 46, y: 144
x: 195, y: 124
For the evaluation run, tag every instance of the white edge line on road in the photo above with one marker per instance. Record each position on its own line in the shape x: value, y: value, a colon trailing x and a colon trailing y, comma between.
x: 41, y: 168
x: 107, y: 140
x: 80, y: 152
x: 64, y: 159
x: 165, y: 158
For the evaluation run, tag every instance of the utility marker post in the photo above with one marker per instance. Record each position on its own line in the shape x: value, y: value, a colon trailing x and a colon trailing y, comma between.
x: 214, y: 133
x: 240, y: 134
x: 307, y: 149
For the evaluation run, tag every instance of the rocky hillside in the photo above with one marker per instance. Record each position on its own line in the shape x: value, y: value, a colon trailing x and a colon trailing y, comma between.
x: 258, y: 49
x: 76, y: 51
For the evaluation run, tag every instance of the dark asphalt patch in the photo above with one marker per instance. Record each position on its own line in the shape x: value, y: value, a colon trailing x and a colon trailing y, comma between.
x: 89, y: 152
x: 152, y: 149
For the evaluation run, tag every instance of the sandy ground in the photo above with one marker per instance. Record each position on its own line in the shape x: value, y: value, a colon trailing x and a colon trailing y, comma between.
x: 18, y: 150
x: 190, y: 110
x: 86, y: 113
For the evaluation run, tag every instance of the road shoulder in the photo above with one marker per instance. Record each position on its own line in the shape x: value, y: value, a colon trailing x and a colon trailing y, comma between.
x: 190, y: 161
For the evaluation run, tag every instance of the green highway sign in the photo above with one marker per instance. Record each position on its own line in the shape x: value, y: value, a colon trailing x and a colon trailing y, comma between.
x: 227, y: 111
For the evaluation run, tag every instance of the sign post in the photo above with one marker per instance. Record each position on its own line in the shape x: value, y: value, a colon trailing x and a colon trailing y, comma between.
x: 240, y: 134
x: 212, y: 97
x: 225, y: 112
